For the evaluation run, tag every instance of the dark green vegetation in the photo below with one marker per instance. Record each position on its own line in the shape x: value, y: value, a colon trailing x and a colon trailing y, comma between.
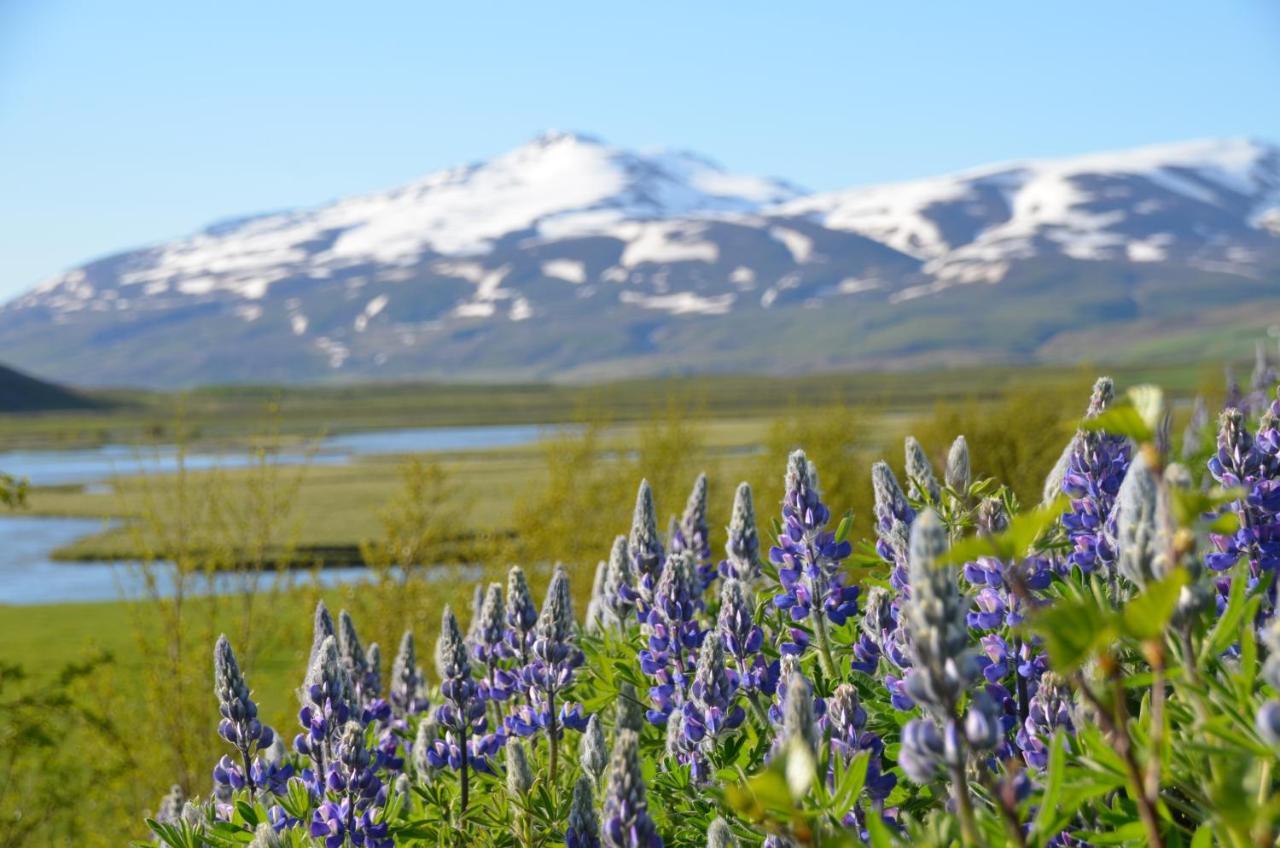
x: 23, y: 393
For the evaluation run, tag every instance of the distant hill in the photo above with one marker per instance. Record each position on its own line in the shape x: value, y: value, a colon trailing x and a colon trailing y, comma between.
x: 23, y: 393
x: 569, y: 258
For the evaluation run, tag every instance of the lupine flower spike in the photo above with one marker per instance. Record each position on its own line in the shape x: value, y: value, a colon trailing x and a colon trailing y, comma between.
x: 742, y: 541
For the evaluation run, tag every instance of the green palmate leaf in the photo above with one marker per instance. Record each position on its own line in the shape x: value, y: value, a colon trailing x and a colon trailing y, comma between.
x: 1072, y: 629
x: 1120, y: 421
x: 1014, y: 543
x: 1147, y: 615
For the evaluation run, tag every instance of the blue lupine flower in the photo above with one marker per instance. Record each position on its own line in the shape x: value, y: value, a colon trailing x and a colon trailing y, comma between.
x: 742, y: 540
x: 808, y: 556
x: 522, y: 615
x: 627, y: 823
x: 461, y: 714
x: 673, y: 634
x: 355, y: 795
x: 711, y: 709
x: 1095, y: 467
x: 327, y: 705
x: 549, y: 672
x: 489, y: 647
x: 583, y: 830
x: 743, y: 639
x: 239, y: 724
x: 1050, y: 710
x: 846, y: 721
x: 618, y: 595
x: 1254, y: 466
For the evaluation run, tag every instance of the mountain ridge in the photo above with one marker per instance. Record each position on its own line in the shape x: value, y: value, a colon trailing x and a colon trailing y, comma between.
x: 567, y: 254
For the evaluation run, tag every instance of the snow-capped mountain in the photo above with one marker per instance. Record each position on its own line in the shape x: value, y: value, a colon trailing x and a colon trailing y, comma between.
x: 568, y: 256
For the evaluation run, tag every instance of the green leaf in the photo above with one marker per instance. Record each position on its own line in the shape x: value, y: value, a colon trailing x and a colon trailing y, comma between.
x: 1052, y: 785
x: 1120, y: 421
x: 1014, y: 543
x: 1228, y: 627
x: 1072, y: 629
x: 1146, y: 616
x: 846, y: 524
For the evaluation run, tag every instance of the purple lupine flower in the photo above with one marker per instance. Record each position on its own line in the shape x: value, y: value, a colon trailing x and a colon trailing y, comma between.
x: 461, y: 714
x: 808, y: 558
x: 788, y: 667
x: 489, y: 647
x: 710, y: 710
x: 743, y: 640
x: 1095, y: 467
x: 742, y: 540
x: 270, y: 770
x: 1252, y: 464
x: 627, y: 823
x: 845, y: 722
x: 618, y: 595
x: 239, y: 724
x: 1050, y: 709
x: 673, y: 634
x: 693, y: 534
x: 583, y: 830
x: 407, y: 692
x: 327, y: 705
x: 644, y: 546
x: 354, y: 795
x: 521, y: 615
x: 894, y: 516
x: 549, y: 673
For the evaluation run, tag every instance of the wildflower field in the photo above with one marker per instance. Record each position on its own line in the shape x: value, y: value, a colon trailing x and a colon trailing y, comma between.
x: 1098, y: 665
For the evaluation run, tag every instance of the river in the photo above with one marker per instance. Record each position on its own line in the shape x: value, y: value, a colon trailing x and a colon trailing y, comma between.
x: 29, y: 575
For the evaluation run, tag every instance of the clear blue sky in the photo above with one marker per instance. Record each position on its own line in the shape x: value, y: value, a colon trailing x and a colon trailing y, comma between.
x: 128, y: 122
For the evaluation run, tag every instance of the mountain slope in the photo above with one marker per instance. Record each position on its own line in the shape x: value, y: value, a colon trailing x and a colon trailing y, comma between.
x: 571, y: 258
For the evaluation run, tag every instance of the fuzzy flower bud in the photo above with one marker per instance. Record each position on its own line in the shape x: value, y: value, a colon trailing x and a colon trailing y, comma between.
x: 522, y: 614
x: 920, y: 476
x: 742, y: 540
x: 592, y: 753
x: 720, y: 836
x: 935, y: 618
x: 958, y: 474
x: 322, y: 628
x: 519, y: 775
x: 644, y: 545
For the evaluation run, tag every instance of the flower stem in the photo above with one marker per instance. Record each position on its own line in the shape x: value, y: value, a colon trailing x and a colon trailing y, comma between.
x: 824, y: 646
x: 964, y: 806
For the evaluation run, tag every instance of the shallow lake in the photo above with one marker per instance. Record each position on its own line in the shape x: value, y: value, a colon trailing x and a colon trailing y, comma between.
x: 28, y: 574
